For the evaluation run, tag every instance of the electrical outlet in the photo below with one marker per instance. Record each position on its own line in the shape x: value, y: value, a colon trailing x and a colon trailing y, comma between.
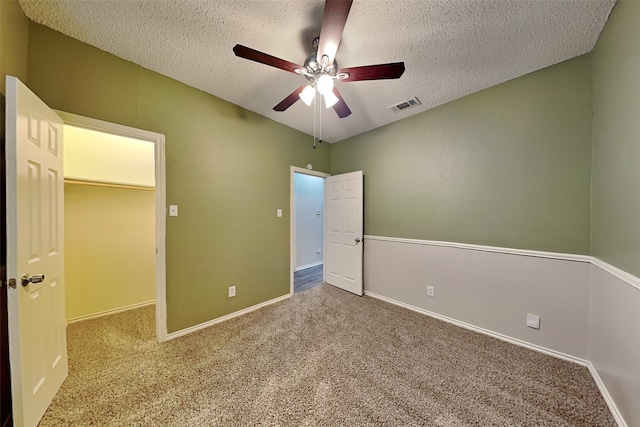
x: 232, y: 291
x: 533, y: 321
x: 431, y: 291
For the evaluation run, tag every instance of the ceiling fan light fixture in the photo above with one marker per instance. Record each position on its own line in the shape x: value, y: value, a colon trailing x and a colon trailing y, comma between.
x: 320, y: 67
x: 325, y: 84
x: 307, y: 95
x: 330, y: 99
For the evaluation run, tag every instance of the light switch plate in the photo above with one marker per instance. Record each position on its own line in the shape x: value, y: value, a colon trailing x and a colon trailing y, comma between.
x: 173, y: 210
x: 279, y: 213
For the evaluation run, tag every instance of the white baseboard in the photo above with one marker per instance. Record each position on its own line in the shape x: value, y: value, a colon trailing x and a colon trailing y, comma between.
x: 313, y: 264
x: 484, y: 331
x: 212, y: 322
x: 110, y: 312
x: 606, y: 396
x: 612, y: 397
x: 582, y: 362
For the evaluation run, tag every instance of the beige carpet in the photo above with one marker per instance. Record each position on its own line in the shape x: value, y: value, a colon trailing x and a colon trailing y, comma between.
x: 322, y: 358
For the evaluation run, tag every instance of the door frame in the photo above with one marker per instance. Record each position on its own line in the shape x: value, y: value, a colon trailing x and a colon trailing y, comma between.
x: 292, y: 220
x: 160, y: 194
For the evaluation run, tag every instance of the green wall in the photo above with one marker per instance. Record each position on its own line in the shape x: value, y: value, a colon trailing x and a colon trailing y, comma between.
x: 228, y: 169
x: 508, y: 166
x: 14, y: 38
x: 616, y: 140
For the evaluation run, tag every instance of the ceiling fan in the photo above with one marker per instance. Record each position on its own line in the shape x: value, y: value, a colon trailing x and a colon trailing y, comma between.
x: 321, y: 68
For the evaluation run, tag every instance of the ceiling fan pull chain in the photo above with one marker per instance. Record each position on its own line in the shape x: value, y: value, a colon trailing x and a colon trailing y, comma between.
x: 319, y: 117
x: 314, y: 121
x: 320, y: 114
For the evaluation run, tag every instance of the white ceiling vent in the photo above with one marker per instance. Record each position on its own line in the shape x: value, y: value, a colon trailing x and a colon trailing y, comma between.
x: 409, y: 103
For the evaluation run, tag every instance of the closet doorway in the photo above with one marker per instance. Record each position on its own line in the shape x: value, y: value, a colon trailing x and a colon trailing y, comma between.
x: 114, y: 220
x: 109, y: 205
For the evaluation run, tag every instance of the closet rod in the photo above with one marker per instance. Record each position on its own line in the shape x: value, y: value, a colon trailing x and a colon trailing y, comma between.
x: 108, y: 184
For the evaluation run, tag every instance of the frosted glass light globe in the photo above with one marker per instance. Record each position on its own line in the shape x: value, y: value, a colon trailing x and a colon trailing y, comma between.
x: 307, y: 95
x: 325, y: 84
x: 330, y: 99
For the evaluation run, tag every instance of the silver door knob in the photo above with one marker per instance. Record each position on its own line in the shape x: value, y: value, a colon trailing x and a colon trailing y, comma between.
x: 357, y: 240
x: 28, y: 279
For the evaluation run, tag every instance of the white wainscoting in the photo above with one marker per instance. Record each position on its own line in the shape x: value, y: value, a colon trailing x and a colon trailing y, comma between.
x: 490, y: 289
x: 589, y: 310
x: 614, y: 337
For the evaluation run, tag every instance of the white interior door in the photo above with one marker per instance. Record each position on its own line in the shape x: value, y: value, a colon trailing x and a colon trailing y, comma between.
x: 344, y: 231
x: 35, y: 262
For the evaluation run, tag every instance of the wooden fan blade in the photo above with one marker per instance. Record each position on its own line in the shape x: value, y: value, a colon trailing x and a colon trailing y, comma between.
x: 373, y: 72
x: 333, y: 21
x: 263, y: 58
x: 341, y: 107
x: 289, y: 100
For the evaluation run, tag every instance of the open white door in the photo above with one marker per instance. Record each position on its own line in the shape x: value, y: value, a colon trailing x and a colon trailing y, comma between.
x: 343, y: 231
x: 35, y: 260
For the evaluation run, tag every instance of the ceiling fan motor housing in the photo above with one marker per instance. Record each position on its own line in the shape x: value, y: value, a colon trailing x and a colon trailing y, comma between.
x: 314, y: 69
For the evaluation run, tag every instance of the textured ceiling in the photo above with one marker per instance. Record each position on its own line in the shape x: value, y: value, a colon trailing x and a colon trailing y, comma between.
x: 450, y: 48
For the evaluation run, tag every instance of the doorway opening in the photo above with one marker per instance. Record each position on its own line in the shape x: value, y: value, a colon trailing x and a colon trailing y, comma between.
x: 307, y: 228
x: 115, y: 193
x: 109, y: 233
